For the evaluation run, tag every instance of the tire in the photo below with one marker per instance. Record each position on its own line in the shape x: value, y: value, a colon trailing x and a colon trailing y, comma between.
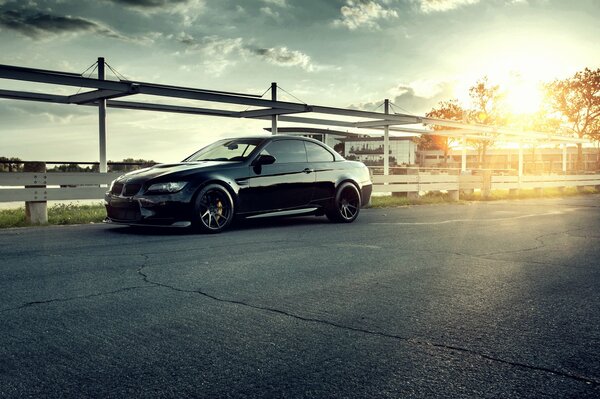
x: 346, y: 204
x: 213, y: 209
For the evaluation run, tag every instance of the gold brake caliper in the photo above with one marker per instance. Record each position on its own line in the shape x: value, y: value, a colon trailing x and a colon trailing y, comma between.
x: 219, y: 212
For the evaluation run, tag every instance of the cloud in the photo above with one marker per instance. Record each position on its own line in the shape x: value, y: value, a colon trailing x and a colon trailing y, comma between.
x: 417, y: 97
x: 281, y: 56
x: 269, y: 12
x: 219, y: 53
x: 363, y: 13
x: 148, y: 4
x: 429, y: 6
x: 24, y: 112
x: 189, y: 10
x: 278, y: 3
x: 37, y: 25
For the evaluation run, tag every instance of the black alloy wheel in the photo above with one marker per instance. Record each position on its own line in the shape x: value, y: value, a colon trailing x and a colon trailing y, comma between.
x: 213, y: 210
x: 346, y: 206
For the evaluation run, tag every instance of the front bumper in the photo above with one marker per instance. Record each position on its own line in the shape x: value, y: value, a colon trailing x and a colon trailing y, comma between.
x: 155, y: 210
x: 365, y: 193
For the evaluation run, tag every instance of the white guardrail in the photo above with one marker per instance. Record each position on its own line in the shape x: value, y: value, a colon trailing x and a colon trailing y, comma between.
x: 40, y: 186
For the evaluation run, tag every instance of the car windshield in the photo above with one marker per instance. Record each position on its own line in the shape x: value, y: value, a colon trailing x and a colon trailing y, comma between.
x: 226, y: 150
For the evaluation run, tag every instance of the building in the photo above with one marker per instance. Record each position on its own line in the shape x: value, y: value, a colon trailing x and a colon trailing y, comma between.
x: 369, y: 150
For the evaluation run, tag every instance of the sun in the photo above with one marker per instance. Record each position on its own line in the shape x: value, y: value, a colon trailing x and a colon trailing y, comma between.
x: 523, y: 97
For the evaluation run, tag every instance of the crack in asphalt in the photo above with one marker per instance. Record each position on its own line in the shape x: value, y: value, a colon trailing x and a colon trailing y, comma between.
x: 422, y: 343
x: 539, y: 239
x: 53, y: 300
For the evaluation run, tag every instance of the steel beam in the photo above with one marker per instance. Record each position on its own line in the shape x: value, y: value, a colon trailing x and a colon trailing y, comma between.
x: 58, y: 78
x: 274, y: 116
x: 381, y: 123
x: 107, y: 89
x: 256, y: 113
x: 386, y: 140
x: 30, y: 96
x: 314, y: 121
x: 366, y: 114
x: 91, y: 96
x: 221, y: 98
x: 103, y: 167
x: 169, y: 108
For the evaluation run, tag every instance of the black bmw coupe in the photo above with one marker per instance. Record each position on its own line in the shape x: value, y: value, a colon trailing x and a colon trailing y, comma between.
x: 242, y: 177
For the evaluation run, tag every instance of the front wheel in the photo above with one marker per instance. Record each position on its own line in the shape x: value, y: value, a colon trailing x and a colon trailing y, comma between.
x: 346, y: 204
x: 214, y: 209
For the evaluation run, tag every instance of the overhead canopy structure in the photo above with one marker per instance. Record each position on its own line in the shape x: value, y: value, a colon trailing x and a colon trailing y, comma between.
x: 105, y: 93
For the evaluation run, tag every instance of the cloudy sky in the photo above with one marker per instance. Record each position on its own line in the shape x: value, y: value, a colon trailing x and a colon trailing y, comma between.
x: 327, y: 52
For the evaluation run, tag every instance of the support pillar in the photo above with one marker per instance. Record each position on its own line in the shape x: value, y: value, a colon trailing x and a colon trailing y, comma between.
x: 274, y: 117
x: 486, y: 189
x: 102, y: 120
x: 463, y: 162
x: 36, y: 212
x: 386, y: 141
x: 564, y: 159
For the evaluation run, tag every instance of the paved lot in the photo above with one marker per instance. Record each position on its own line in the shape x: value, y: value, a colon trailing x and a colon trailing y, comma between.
x: 483, y: 300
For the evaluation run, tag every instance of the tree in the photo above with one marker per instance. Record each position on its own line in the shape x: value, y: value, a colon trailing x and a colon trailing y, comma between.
x: 487, y: 109
x: 339, y: 147
x: 450, y: 110
x: 10, y: 164
x: 577, y: 100
x: 137, y: 164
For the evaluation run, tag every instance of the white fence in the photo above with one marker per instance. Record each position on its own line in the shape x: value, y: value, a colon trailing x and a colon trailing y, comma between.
x: 415, y: 183
x: 533, y: 182
x: 40, y: 186
x: 19, y: 186
x: 424, y: 182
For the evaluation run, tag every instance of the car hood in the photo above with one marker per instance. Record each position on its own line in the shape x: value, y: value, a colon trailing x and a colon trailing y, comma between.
x: 181, y: 169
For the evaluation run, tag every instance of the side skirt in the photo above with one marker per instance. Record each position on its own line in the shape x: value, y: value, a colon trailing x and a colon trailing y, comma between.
x: 285, y: 213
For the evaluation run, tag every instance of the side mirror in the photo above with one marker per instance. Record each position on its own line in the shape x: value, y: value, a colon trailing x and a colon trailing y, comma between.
x: 264, y: 160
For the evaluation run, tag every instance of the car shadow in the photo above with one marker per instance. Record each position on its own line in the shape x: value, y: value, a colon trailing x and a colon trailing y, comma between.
x: 237, y: 225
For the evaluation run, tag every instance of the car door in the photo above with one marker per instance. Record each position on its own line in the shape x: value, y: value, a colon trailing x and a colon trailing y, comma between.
x: 322, y: 162
x: 287, y: 183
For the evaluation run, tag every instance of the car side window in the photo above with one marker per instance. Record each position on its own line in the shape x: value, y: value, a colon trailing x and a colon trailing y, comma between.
x: 286, y: 151
x: 317, y: 153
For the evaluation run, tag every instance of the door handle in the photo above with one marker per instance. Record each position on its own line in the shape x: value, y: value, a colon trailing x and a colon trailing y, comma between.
x: 308, y: 170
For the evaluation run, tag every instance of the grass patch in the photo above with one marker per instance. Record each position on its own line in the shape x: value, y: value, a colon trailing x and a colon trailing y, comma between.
x: 427, y: 199
x: 496, y: 195
x: 524, y: 194
x: 59, y: 214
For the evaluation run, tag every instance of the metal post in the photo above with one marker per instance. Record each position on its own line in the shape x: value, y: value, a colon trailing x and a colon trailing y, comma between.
x: 274, y: 117
x: 520, y: 160
x: 102, y: 120
x: 463, y: 163
x: 564, y: 158
x: 386, y: 141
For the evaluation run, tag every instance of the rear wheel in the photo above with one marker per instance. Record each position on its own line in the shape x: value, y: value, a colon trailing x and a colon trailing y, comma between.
x: 346, y: 204
x: 214, y: 209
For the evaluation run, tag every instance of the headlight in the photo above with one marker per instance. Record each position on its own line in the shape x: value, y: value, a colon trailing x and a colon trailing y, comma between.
x: 171, y: 187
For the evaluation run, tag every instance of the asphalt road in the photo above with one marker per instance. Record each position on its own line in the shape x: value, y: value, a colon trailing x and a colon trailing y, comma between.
x: 483, y: 300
